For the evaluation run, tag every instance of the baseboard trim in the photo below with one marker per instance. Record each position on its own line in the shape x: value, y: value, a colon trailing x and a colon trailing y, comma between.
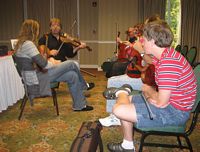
x: 88, y: 66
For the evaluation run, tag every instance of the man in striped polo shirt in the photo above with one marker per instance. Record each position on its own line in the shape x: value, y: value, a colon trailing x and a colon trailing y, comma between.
x: 171, y: 103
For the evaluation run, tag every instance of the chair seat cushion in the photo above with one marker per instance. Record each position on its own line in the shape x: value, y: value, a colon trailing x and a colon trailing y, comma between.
x: 180, y: 129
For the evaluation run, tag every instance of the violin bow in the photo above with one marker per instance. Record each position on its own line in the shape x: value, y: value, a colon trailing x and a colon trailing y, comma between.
x: 117, y: 34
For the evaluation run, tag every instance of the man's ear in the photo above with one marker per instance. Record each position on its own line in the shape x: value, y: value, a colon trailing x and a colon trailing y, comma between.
x: 152, y: 42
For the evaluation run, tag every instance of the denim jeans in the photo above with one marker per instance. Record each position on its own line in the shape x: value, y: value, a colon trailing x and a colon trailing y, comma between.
x: 118, y: 81
x: 68, y: 72
x: 168, y: 116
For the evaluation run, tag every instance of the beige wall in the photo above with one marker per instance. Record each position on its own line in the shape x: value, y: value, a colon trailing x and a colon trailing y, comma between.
x: 11, y: 16
x: 98, y: 26
x: 95, y: 25
x: 114, y: 16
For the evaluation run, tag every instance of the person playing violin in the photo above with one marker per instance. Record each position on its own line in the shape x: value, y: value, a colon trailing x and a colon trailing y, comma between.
x: 130, y: 38
x: 54, y: 42
x: 119, y: 65
x: 58, y: 50
x: 171, y: 104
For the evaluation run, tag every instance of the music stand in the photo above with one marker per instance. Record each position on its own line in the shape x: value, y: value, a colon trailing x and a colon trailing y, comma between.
x: 89, y: 73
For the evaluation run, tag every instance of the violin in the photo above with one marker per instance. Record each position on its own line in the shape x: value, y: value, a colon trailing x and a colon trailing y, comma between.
x: 147, y: 73
x: 44, y: 51
x: 75, y: 42
x: 123, y: 49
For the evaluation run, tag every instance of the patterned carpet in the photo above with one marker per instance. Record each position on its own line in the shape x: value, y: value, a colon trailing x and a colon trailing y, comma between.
x: 40, y: 130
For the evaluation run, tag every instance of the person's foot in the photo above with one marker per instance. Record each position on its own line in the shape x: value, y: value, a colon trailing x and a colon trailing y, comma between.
x: 110, y: 93
x: 111, y: 120
x: 86, y: 108
x: 90, y: 85
x: 117, y: 147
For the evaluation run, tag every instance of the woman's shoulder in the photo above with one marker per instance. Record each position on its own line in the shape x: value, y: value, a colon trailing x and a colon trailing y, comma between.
x: 28, y: 42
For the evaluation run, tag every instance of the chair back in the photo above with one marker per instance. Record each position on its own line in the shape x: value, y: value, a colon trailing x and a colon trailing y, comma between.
x: 184, y: 50
x: 178, y: 48
x: 197, y: 74
x: 196, y: 107
x: 21, y: 74
x: 3, y: 50
x: 191, y: 55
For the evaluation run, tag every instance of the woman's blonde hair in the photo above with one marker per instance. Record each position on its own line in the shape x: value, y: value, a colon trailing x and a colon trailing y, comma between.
x: 29, y: 31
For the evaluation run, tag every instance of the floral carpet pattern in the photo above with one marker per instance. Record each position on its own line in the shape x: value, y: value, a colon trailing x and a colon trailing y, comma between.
x: 41, y: 130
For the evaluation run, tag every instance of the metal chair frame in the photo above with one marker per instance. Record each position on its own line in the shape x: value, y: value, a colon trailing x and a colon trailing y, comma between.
x: 191, y: 55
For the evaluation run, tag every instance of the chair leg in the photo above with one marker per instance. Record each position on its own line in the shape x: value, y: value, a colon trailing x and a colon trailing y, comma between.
x: 188, y: 143
x: 179, y: 142
x: 142, y: 142
x: 55, y: 102
x: 24, y: 98
x: 22, y: 106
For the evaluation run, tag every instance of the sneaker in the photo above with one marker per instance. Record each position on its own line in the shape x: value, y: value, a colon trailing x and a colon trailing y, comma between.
x: 117, y: 147
x: 86, y: 108
x: 111, y: 93
x: 90, y: 85
x: 111, y: 120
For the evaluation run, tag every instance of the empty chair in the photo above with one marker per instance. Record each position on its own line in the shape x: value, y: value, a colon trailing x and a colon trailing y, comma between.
x: 3, y: 50
x: 191, y: 55
x: 184, y: 50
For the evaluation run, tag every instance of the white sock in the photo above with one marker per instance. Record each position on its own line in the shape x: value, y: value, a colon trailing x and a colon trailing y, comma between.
x: 120, y: 91
x: 128, y: 144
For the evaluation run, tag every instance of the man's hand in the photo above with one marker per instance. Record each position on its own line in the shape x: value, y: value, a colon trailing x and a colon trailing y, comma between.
x: 54, y: 61
x: 149, y: 91
x: 138, y: 46
x: 118, y: 40
x: 53, y: 52
x: 82, y: 45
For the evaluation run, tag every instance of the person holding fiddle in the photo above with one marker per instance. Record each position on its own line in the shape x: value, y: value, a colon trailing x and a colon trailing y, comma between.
x: 55, y: 40
x: 59, y: 49
x: 118, y: 66
x: 132, y: 75
x: 39, y: 72
x: 169, y: 104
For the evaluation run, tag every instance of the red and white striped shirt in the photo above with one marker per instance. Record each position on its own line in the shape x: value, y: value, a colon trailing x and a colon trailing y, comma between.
x: 173, y: 72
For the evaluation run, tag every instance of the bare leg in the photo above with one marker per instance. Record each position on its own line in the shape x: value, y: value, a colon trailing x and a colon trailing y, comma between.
x: 127, y: 128
x: 125, y: 111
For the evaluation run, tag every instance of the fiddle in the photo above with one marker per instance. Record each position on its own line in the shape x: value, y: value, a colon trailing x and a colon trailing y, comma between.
x: 44, y: 51
x: 147, y: 73
x: 75, y: 42
x: 123, y: 48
